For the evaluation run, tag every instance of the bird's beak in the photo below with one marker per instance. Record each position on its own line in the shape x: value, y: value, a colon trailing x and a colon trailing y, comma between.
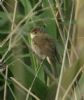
x: 32, y: 35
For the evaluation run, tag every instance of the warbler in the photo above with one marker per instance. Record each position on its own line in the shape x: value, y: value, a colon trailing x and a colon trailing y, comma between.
x: 44, y: 46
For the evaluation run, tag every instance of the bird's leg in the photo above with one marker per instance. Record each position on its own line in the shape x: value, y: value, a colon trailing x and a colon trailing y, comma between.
x: 51, y: 66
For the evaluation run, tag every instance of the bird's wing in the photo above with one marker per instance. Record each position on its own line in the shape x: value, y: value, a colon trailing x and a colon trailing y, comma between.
x: 46, y: 44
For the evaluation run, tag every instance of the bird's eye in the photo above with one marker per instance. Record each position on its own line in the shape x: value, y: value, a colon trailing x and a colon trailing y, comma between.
x: 35, y: 32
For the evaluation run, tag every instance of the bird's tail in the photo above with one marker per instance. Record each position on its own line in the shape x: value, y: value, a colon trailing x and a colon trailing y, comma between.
x: 53, y: 66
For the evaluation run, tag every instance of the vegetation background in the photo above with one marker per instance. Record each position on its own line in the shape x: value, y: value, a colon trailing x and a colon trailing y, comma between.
x: 24, y: 77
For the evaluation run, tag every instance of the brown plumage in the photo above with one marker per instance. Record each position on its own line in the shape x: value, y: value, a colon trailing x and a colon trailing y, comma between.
x: 44, y: 46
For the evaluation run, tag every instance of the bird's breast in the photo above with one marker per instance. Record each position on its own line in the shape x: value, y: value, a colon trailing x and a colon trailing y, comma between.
x: 37, y: 50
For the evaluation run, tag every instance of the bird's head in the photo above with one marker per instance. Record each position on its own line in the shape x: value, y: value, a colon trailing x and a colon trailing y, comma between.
x: 36, y: 32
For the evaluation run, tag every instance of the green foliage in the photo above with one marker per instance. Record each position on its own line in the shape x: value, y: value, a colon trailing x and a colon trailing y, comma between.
x: 15, y: 52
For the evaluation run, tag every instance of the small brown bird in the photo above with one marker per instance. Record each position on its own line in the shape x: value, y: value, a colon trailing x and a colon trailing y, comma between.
x: 44, y: 46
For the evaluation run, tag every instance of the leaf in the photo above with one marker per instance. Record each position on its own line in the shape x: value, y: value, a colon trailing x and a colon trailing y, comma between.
x: 3, y: 19
x: 50, y: 24
x: 27, y: 5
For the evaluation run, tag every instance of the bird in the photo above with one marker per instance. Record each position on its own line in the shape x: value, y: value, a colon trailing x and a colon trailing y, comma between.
x: 44, y: 47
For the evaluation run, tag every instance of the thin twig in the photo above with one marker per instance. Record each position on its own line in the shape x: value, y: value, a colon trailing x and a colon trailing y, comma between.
x: 80, y: 70
x: 29, y: 15
x: 75, y: 94
x: 13, y: 22
x: 5, y: 85
x: 1, y: 73
x: 63, y: 61
x: 34, y: 79
x: 25, y: 89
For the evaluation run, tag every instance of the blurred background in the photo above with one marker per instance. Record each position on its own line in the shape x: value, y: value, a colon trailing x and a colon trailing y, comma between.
x: 22, y: 74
